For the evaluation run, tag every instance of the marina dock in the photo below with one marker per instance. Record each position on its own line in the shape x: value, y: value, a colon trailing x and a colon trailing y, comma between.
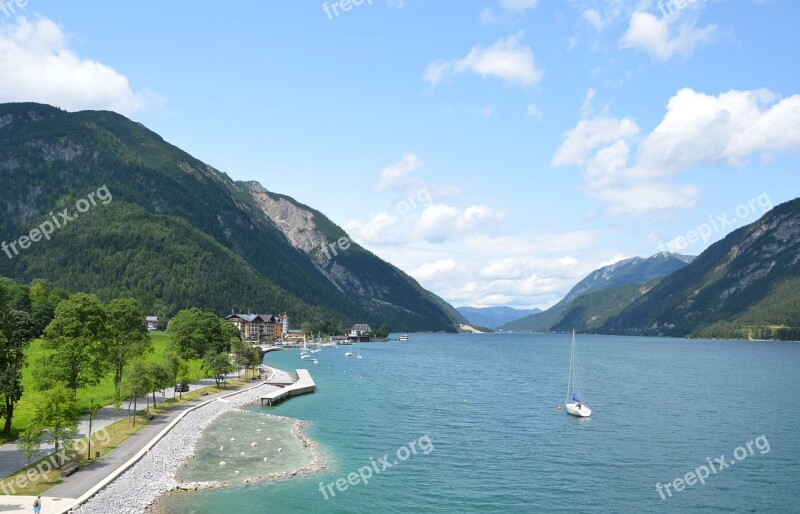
x: 303, y: 385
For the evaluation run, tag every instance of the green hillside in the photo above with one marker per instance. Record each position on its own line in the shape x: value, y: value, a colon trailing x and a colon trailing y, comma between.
x: 589, y: 312
x: 177, y: 233
x: 745, y: 285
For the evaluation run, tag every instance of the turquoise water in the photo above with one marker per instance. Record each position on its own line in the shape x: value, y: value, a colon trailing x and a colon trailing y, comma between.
x: 487, y: 403
x: 250, y: 445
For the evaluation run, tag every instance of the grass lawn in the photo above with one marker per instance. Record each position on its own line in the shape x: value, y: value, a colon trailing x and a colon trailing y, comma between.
x: 33, y: 481
x: 102, y: 393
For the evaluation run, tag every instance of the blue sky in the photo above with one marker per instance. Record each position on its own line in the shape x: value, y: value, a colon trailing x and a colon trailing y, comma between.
x: 496, y: 150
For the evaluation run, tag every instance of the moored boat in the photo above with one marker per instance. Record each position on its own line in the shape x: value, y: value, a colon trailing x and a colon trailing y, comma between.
x: 574, y: 404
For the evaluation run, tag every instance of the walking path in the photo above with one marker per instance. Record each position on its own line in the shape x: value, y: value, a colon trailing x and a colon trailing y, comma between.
x: 11, y: 460
x: 55, y: 500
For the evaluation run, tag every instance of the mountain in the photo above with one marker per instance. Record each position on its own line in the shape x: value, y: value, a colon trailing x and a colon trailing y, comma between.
x: 636, y: 270
x: 589, y: 312
x: 745, y: 286
x: 175, y: 232
x: 493, y: 317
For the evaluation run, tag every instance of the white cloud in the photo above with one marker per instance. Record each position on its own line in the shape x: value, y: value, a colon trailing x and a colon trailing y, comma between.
x: 594, y: 18
x: 507, y: 10
x: 506, y: 59
x: 400, y: 173
x: 437, y: 269
x: 518, y: 6
x: 697, y: 130
x: 588, y: 135
x: 439, y: 223
x: 376, y: 230
x: 508, y: 268
x: 725, y: 129
x: 572, y: 42
x: 534, y: 111
x: 396, y: 4
x: 37, y: 65
x: 663, y: 38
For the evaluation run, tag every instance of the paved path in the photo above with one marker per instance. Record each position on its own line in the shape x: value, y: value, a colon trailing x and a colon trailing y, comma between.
x: 64, y: 495
x: 11, y: 460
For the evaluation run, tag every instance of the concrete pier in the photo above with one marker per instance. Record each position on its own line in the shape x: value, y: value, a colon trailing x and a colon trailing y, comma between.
x: 304, y: 384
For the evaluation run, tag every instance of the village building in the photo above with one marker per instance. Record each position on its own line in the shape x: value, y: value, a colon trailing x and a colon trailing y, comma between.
x: 360, y: 333
x: 151, y: 322
x: 258, y: 328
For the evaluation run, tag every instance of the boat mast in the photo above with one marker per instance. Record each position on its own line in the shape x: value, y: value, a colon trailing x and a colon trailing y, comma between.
x: 571, y: 364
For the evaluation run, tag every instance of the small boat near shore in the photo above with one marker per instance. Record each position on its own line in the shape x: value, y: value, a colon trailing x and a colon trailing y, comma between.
x: 403, y: 338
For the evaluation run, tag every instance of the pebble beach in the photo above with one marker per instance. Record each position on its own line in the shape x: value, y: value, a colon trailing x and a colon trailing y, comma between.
x: 155, y: 474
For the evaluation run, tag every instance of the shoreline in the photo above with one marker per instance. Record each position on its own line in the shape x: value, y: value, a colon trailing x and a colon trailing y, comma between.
x: 154, y: 475
x: 319, y: 463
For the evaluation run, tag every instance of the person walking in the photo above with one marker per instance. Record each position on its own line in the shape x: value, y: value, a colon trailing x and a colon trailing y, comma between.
x: 37, y: 504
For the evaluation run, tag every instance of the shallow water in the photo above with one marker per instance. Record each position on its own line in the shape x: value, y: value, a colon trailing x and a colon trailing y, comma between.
x: 662, y: 407
x: 230, y: 439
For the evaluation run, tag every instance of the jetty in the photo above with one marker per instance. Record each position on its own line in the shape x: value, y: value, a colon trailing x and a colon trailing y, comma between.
x: 266, y: 348
x: 303, y: 385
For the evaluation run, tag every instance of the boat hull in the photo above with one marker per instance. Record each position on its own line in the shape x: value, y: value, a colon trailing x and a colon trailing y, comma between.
x: 582, y: 412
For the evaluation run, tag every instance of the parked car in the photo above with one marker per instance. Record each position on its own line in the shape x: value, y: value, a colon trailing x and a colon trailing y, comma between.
x: 181, y: 388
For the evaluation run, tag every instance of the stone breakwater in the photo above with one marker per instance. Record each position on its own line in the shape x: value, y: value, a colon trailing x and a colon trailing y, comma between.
x: 154, y: 474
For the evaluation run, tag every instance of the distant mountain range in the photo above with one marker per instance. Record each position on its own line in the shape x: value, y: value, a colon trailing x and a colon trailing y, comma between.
x: 746, y: 286
x: 179, y: 233
x: 632, y: 271
x: 493, y: 317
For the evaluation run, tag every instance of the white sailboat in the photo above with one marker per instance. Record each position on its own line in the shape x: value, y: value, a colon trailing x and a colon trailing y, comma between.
x: 574, y: 404
x: 358, y: 351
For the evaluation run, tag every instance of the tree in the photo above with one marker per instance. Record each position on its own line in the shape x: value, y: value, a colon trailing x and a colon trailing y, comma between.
x: 58, y: 414
x: 382, y: 332
x: 93, y: 410
x: 172, y: 366
x: 159, y: 378
x: 138, y: 383
x: 251, y: 359
x: 17, y: 295
x: 42, y: 310
x: 16, y: 333
x: 195, y: 332
x: 77, y: 335
x: 306, y: 328
x: 30, y: 441
x: 239, y: 348
x: 128, y: 338
x: 183, y: 374
x: 218, y: 364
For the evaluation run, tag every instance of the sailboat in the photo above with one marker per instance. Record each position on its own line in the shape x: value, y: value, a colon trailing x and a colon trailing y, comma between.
x: 574, y: 404
x: 358, y: 351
